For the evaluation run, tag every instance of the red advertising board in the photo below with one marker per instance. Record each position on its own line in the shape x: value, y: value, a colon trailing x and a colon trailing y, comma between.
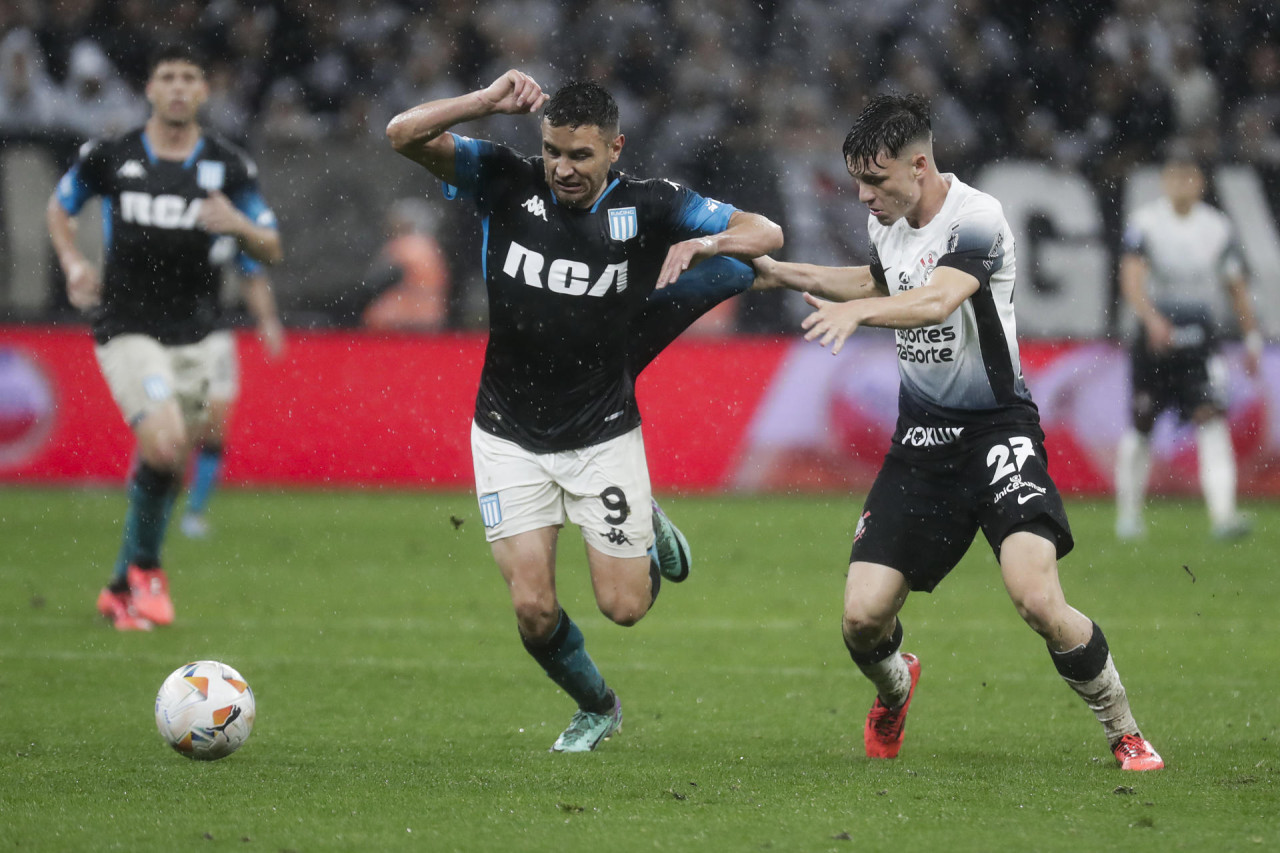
x: 754, y: 414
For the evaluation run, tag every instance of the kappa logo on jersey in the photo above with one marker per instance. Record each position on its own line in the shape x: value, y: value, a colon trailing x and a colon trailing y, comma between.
x: 211, y: 174
x: 571, y: 278
x: 131, y: 169
x: 161, y: 211
x: 623, y: 223
x: 536, y: 206
x: 490, y: 509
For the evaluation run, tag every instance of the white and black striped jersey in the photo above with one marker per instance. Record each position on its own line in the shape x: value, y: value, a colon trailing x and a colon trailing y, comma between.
x: 1189, y: 258
x: 564, y: 285
x: 162, y: 270
x: 962, y: 377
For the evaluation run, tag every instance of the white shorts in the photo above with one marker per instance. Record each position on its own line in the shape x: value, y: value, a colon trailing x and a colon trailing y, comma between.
x: 604, y: 489
x: 224, y: 384
x: 142, y: 373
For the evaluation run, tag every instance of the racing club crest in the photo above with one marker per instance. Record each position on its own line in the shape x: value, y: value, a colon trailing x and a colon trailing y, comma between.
x: 210, y: 174
x: 623, y: 223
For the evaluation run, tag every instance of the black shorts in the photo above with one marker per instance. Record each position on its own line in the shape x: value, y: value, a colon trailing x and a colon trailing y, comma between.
x: 1183, y: 380
x: 921, y: 518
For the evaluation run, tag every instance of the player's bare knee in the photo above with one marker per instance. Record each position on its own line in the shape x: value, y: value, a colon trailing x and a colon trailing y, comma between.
x: 536, y: 616
x: 1040, y: 609
x: 162, y: 455
x: 624, y: 609
x: 863, y: 630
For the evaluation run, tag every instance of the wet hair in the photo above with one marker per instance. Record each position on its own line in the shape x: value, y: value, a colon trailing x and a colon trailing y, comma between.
x: 887, y: 125
x: 583, y: 102
x: 175, y: 52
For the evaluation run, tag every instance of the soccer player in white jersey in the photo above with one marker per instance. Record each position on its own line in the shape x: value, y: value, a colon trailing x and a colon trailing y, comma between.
x: 1183, y: 276
x: 968, y: 452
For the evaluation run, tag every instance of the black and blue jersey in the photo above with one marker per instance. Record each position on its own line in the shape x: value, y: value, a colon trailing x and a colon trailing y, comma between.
x: 564, y: 285
x: 162, y: 270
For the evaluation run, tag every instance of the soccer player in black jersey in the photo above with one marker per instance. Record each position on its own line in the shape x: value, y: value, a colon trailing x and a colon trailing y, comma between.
x: 968, y: 453
x: 573, y: 251
x: 175, y: 199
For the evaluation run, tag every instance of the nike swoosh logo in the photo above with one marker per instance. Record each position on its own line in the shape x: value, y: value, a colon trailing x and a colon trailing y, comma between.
x: 1024, y: 498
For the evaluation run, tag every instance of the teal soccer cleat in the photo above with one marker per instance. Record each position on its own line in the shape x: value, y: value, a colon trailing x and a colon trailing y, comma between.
x: 672, y: 548
x: 587, y: 730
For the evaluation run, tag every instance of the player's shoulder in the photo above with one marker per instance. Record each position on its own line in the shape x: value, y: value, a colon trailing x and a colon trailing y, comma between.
x: 973, y: 202
x: 658, y: 188
x: 1212, y: 215
x: 126, y: 144
x: 219, y: 147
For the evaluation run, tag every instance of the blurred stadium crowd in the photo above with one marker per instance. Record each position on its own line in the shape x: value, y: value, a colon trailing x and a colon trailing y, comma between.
x: 720, y: 93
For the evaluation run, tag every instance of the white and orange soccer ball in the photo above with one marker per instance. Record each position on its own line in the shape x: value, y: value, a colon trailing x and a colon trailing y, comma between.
x: 205, y: 710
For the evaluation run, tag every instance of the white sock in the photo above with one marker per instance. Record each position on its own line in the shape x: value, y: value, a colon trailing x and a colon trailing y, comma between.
x: 1133, y: 467
x: 891, y: 678
x: 1217, y: 470
x: 1107, y: 700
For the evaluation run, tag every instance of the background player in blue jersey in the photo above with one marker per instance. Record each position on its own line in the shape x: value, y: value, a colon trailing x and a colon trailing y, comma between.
x: 224, y: 389
x: 968, y: 451
x: 169, y: 191
x: 572, y: 252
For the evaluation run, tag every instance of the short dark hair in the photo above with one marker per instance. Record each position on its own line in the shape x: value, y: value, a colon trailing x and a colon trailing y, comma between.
x: 582, y: 102
x: 175, y: 52
x: 888, y: 123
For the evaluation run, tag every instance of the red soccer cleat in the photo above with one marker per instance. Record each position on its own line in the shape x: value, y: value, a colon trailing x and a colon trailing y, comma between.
x: 1134, y: 753
x: 118, y: 607
x: 883, y: 732
x: 150, y: 590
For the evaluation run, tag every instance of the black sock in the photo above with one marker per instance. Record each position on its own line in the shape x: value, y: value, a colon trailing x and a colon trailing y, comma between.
x: 1083, y: 663
x: 885, y: 650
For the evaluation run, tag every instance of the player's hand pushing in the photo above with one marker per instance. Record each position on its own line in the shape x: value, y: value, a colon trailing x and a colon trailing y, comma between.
x: 84, y: 286
x: 514, y: 93
x: 683, y: 256
x: 832, y: 322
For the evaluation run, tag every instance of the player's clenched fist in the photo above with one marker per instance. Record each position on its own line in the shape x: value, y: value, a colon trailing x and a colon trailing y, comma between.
x: 514, y: 93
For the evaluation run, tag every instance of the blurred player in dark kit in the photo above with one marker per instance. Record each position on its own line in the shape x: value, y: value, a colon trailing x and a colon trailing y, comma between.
x: 170, y: 192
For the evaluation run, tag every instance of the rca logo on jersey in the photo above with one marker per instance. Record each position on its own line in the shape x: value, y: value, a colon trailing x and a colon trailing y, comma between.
x: 571, y: 278
x: 623, y: 223
x: 535, y: 206
x: 161, y: 211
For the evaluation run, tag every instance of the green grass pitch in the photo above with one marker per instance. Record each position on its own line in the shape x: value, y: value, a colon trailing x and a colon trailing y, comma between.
x: 397, y: 709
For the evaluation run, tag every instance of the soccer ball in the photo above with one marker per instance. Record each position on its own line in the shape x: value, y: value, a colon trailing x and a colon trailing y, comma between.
x: 205, y: 710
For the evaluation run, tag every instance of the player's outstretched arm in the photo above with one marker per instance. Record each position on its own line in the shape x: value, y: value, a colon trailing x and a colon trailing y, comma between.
x: 835, y: 284
x: 748, y: 236
x: 419, y: 133
x: 84, y: 287
x: 832, y: 323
